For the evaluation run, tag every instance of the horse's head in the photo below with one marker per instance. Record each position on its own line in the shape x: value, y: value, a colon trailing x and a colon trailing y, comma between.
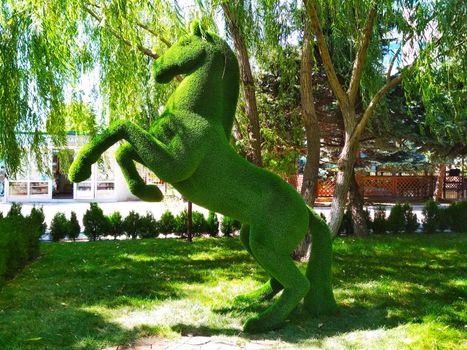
x: 185, y: 56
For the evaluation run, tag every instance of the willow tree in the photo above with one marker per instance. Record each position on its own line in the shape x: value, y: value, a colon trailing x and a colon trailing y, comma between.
x: 416, y: 30
x: 47, y: 47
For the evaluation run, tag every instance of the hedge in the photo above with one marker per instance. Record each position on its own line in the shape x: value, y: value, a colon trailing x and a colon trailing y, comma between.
x: 19, y: 241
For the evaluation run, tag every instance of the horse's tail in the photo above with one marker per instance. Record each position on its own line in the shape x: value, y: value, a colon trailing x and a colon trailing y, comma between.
x: 320, y: 298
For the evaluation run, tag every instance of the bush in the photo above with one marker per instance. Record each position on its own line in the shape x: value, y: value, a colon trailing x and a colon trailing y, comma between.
x: 15, y: 210
x: 181, y: 223
x: 116, y: 224
x: 346, y: 224
x: 38, y: 226
x: 432, y: 216
x: 168, y: 224
x: 379, y: 223
x: 457, y: 216
x: 58, y: 227
x: 229, y: 225
x: 131, y: 224
x: 199, y: 223
x: 149, y: 226
x: 410, y: 218
x: 74, y: 229
x: 212, y: 224
x: 19, y: 242
x: 396, y: 219
x: 95, y: 222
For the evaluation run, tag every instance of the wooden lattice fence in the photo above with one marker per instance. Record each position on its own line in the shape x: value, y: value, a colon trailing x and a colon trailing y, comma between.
x: 384, y: 187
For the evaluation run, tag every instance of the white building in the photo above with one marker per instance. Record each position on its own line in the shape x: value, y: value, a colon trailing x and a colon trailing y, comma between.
x: 106, y: 183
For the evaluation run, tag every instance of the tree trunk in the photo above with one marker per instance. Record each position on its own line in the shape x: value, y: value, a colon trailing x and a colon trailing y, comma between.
x: 312, y: 132
x: 246, y: 78
x: 356, y: 207
x: 189, y: 223
x: 440, y: 182
x: 345, y: 172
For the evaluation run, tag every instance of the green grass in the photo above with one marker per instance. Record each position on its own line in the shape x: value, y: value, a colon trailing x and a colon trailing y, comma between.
x: 394, y: 292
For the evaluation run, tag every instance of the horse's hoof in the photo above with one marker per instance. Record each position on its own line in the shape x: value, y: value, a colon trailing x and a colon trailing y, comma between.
x: 148, y: 193
x: 259, y: 324
x: 79, y: 172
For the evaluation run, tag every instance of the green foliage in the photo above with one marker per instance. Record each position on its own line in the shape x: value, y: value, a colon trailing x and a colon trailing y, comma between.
x: 13, y: 246
x: 379, y: 223
x: 37, y: 226
x: 199, y: 223
x: 396, y: 219
x: 167, y: 222
x: 131, y: 224
x: 95, y: 222
x: 402, y: 219
x: 149, y: 227
x: 74, y: 229
x: 15, y: 210
x: 457, y: 216
x: 227, y: 226
x: 411, y: 221
x: 116, y: 224
x: 432, y: 216
x: 181, y: 222
x: 212, y: 224
x: 59, y: 227
x: 19, y: 242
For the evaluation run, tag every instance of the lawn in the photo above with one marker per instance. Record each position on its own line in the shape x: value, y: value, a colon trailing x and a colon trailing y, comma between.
x: 394, y: 292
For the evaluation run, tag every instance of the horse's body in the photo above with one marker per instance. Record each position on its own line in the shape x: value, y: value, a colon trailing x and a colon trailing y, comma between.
x: 188, y: 146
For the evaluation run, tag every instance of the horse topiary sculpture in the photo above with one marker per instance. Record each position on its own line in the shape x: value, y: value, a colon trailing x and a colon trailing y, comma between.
x: 188, y: 147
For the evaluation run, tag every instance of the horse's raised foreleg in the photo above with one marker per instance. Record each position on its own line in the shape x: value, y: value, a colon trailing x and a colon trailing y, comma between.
x: 126, y: 157
x: 266, y: 291
x: 151, y: 151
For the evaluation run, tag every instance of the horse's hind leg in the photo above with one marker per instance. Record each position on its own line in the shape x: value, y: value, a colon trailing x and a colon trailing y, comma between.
x: 280, y: 266
x: 126, y: 157
x: 266, y: 291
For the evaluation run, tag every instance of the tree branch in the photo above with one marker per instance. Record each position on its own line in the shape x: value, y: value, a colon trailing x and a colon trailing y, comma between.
x: 359, y: 61
x: 391, y: 64
x: 324, y: 52
x: 161, y: 38
x: 127, y: 42
x: 358, y: 131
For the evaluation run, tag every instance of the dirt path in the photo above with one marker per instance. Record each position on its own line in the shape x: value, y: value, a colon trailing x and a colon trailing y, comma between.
x: 199, y: 343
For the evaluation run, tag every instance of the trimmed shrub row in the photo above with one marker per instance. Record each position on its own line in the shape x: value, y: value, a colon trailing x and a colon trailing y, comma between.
x: 19, y: 240
x: 134, y: 225
x: 402, y: 219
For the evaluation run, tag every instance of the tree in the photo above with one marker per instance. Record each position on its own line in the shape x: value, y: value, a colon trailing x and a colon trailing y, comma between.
x: 45, y: 52
x: 235, y: 13
x: 58, y: 227
x: 411, y: 21
x: 116, y: 224
x: 74, y: 229
x: 95, y: 222
x: 131, y: 224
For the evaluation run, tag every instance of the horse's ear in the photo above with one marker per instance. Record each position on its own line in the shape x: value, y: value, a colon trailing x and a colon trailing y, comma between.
x: 196, y: 28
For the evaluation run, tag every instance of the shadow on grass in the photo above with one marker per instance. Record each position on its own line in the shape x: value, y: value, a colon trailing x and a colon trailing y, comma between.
x: 379, y: 281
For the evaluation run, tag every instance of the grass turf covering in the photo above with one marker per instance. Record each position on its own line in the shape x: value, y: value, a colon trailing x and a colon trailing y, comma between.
x: 395, y: 292
x: 189, y: 147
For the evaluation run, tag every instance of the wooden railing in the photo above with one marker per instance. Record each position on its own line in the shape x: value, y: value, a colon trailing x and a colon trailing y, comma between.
x: 373, y: 187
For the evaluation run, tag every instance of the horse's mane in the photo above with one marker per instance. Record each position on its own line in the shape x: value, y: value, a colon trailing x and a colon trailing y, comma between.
x: 230, y: 77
